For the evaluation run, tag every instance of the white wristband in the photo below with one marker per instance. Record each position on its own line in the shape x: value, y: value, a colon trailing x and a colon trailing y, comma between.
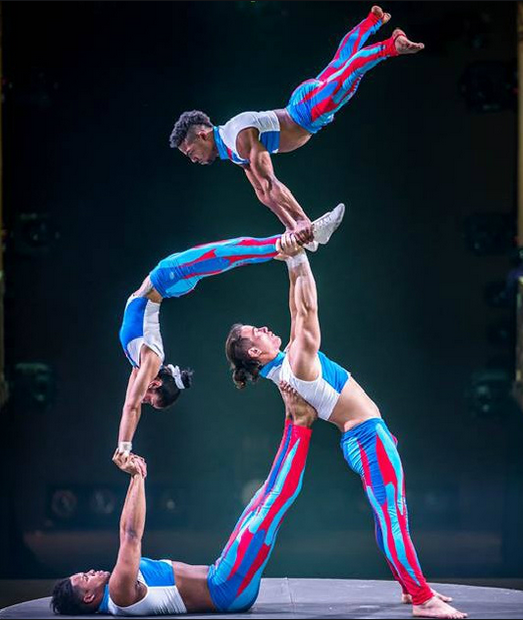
x: 298, y: 259
x: 125, y: 446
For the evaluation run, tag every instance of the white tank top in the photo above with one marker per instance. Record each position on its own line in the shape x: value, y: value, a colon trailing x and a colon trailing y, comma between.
x: 159, y: 601
x: 323, y: 393
x: 141, y: 325
x: 266, y: 123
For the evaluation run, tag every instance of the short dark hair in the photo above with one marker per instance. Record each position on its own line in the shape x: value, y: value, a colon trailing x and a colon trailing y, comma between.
x: 183, y: 125
x: 169, y: 392
x: 244, y: 367
x: 66, y: 600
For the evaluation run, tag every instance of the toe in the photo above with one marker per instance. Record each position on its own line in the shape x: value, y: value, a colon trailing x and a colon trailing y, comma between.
x: 377, y: 11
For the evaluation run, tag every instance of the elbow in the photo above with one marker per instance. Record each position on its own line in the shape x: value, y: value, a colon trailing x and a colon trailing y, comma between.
x: 129, y: 535
x: 130, y: 411
x: 267, y: 185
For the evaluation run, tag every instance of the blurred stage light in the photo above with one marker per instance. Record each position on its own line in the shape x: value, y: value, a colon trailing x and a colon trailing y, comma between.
x: 489, y: 392
x: 64, y: 504
x: 35, y: 88
x: 95, y: 506
x: 102, y: 502
x: 33, y: 234
x: 489, y: 86
x: 437, y: 501
x: 34, y: 385
x: 497, y: 295
x: 490, y: 234
x: 502, y: 333
x: 165, y: 506
x: 168, y: 502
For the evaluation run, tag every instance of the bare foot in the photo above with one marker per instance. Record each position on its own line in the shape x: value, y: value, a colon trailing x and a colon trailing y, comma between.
x: 406, y: 599
x: 436, y: 608
x: 301, y: 413
x: 377, y: 11
x: 403, y: 45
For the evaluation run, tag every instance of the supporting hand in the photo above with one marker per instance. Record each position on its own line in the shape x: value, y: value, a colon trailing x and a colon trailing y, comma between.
x: 130, y: 463
x: 296, y: 408
x: 303, y: 231
x: 288, y: 245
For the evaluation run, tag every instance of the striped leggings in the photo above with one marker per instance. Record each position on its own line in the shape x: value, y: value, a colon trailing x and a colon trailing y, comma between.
x: 179, y: 273
x: 370, y: 450
x: 314, y: 102
x: 234, y: 579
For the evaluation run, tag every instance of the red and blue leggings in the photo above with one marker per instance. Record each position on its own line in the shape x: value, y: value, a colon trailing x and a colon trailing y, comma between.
x: 179, y: 273
x: 370, y: 450
x: 234, y: 579
x: 313, y: 104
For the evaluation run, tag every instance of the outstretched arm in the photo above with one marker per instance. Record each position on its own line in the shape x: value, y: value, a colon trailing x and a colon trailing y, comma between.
x: 270, y: 191
x: 305, y: 342
x: 124, y: 588
x: 136, y: 388
x: 292, y: 304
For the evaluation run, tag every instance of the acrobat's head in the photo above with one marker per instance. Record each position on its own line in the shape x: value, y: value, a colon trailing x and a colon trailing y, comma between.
x: 166, y: 387
x: 248, y: 349
x: 80, y: 593
x: 193, y: 135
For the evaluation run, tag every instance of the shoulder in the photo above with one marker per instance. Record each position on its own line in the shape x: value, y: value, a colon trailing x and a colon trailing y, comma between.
x: 122, y: 596
x: 247, y: 140
x: 149, y: 358
x: 243, y: 126
x: 245, y: 119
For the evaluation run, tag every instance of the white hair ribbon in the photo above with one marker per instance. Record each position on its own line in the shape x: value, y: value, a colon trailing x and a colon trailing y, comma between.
x: 177, y: 376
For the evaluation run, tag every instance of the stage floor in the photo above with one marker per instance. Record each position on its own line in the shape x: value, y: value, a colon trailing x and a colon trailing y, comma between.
x: 337, y: 598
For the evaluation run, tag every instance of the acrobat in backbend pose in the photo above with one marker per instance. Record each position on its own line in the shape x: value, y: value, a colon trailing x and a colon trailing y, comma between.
x: 151, y: 381
x: 250, y: 138
x: 368, y: 446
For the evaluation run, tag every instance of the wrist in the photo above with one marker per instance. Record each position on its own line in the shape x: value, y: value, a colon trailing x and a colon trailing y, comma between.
x: 125, y: 446
x: 296, y: 260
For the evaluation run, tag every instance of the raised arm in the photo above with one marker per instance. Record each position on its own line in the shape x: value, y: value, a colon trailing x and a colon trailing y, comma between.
x: 124, y: 587
x: 270, y: 191
x: 292, y: 303
x: 136, y: 388
x: 305, y: 330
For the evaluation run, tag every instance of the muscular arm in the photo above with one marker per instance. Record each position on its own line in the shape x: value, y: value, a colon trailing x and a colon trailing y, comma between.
x: 270, y: 191
x: 136, y: 388
x: 292, y: 304
x: 305, y: 343
x: 123, y: 585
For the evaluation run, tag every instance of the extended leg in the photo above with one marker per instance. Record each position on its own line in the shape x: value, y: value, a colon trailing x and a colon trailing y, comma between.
x: 354, y: 40
x: 381, y: 546
x: 313, y: 104
x: 214, y: 258
x: 235, y: 578
x: 179, y: 273
x: 371, y: 451
x: 334, y: 92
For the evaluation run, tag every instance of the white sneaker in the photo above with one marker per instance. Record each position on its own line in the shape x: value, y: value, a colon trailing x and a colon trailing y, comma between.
x: 312, y: 246
x: 324, y: 226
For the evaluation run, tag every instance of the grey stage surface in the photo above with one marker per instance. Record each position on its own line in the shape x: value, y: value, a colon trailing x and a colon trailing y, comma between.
x: 336, y: 598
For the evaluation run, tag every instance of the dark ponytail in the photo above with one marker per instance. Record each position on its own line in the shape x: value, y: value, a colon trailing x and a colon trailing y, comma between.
x: 244, y: 368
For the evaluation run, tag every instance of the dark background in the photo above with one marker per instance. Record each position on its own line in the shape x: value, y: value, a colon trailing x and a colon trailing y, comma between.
x: 94, y: 198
